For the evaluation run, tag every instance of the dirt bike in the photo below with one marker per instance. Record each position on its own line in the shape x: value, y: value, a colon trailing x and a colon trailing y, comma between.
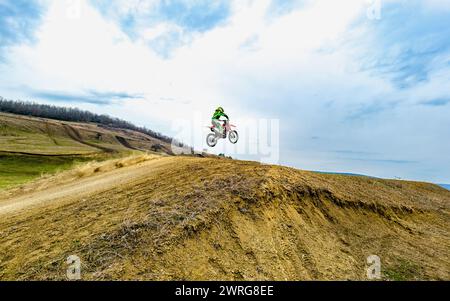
x: 214, y: 137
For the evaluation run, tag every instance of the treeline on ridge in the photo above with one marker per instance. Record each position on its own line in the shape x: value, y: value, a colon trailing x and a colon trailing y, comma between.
x: 75, y: 115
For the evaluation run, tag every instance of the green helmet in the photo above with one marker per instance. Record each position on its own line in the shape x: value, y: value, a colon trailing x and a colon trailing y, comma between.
x: 220, y: 109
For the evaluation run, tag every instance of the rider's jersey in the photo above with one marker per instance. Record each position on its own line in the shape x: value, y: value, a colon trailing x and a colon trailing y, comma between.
x: 218, y: 114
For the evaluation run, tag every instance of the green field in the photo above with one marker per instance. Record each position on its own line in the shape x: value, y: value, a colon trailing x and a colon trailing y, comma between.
x: 19, y: 169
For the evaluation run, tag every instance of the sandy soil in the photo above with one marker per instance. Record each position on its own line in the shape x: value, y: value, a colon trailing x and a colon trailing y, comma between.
x: 175, y: 218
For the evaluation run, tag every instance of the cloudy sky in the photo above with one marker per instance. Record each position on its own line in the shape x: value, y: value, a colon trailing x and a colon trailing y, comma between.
x: 358, y: 86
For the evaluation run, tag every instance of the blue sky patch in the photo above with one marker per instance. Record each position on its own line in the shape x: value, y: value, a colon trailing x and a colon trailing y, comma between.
x: 282, y: 7
x: 407, y: 44
x: 189, y: 16
x: 198, y: 16
x: 18, y: 21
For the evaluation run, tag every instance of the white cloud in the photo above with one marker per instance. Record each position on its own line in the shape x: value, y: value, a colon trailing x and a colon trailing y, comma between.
x: 299, y: 68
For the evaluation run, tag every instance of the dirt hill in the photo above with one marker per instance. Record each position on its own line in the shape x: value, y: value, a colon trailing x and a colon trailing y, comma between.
x: 31, y: 147
x: 151, y: 217
x: 39, y: 136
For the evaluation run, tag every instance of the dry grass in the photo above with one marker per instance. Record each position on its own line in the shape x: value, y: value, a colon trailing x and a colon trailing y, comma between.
x: 221, y: 219
x: 96, y: 166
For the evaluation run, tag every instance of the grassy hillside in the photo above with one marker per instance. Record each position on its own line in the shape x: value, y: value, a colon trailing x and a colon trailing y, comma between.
x: 160, y: 218
x: 18, y: 169
x: 31, y: 147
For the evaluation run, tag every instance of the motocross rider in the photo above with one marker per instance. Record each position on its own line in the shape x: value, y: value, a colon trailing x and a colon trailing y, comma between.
x: 216, y: 119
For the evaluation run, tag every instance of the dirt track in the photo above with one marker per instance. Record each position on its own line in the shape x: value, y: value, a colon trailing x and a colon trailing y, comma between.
x: 84, y: 187
x: 75, y: 135
x: 176, y: 218
x: 125, y: 143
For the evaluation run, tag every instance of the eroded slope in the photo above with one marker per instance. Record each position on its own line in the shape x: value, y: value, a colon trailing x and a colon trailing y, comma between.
x: 192, y: 218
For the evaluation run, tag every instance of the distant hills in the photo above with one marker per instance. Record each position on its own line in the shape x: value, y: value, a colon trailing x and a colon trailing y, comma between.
x: 342, y: 173
x: 446, y: 186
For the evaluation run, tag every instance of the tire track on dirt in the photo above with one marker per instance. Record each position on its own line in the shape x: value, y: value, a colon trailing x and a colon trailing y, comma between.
x: 75, y: 135
x: 125, y: 143
x: 83, y: 188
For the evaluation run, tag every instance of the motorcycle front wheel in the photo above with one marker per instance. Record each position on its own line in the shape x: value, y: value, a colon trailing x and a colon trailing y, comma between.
x: 233, y: 136
x: 211, y: 140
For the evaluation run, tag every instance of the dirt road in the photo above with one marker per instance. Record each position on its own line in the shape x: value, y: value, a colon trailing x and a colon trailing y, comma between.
x: 82, y: 188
